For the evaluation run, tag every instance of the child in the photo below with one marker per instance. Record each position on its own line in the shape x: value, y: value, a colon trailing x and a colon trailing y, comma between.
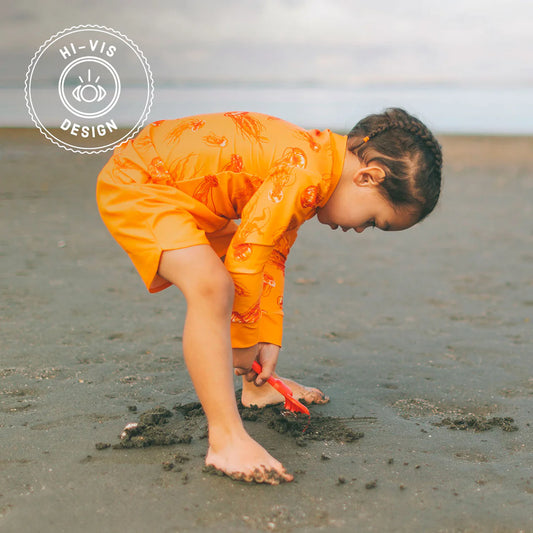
x: 170, y: 198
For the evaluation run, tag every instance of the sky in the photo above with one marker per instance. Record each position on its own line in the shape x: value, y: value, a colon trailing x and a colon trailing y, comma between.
x: 332, y: 42
x: 477, y: 46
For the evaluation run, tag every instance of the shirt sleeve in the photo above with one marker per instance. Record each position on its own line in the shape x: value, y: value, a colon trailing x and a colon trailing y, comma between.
x: 271, y: 320
x: 270, y: 219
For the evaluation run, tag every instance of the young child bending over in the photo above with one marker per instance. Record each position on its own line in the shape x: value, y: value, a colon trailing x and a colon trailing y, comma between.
x: 170, y: 198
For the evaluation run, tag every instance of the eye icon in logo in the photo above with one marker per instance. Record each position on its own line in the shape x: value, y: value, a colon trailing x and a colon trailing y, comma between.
x: 88, y: 92
x: 88, y: 89
x: 96, y: 87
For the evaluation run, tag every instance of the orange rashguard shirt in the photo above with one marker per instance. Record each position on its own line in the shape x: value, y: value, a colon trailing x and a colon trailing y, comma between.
x: 183, y: 182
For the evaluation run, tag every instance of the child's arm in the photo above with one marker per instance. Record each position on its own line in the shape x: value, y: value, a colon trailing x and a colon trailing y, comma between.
x: 271, y: 321
x: 268, y: 218
x: 248, y: 290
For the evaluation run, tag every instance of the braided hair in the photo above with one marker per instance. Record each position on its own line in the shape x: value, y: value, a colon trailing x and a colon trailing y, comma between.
x: 408, y: 153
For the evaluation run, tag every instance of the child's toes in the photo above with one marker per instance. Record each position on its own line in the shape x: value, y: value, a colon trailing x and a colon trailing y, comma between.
x: 281, y: 475
x: 259, y: 475
x: 285, y: 476
x: 315, y: 396
x: 272, y: 477
x: 322, y: 398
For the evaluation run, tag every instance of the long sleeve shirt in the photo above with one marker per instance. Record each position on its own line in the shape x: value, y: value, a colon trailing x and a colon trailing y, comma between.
x: 219, y: 168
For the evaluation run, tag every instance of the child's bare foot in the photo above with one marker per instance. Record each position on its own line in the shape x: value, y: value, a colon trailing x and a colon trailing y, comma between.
x: 244, y: 459
x: 267, y: 395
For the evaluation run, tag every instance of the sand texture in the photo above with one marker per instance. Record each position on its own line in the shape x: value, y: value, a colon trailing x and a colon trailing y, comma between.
x: 422, y: 339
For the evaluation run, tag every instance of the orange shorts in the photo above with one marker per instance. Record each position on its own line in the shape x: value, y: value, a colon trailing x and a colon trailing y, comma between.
x: 147, y: 219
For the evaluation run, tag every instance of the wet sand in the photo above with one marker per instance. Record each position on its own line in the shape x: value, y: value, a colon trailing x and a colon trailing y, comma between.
x: 422, y: 339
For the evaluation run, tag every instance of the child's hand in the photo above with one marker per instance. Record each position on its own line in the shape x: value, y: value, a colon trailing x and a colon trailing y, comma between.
x: 266, y: 355
x: 243, y: 359
x: 268, y: 359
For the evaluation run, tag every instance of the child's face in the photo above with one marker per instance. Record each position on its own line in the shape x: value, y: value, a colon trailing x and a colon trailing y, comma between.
x: 356, y: 203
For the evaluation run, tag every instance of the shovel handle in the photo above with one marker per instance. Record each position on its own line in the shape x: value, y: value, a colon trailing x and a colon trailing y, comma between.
x: 290, y: 403
x: 276, y: 383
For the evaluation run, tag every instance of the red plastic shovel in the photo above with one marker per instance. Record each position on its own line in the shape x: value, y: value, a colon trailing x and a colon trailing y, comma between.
x: 291, y: 404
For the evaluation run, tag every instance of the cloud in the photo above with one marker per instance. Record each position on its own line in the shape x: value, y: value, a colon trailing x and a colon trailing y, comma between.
x: 295, y: 41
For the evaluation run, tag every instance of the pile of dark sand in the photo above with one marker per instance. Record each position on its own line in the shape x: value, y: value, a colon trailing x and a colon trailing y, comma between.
x: 476, y: 423
x: 162, y: 427
x: 302, y: 427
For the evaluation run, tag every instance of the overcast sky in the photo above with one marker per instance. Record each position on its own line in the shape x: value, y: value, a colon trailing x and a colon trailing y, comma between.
x: 339, y: 42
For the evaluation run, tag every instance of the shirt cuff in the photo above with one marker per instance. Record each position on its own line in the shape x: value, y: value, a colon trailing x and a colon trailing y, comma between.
x: 244, y: 335
x: 271, y: 328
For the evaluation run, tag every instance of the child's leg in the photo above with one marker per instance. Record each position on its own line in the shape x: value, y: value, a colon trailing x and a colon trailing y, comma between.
x: 267, y: 395
x: 209, y: 290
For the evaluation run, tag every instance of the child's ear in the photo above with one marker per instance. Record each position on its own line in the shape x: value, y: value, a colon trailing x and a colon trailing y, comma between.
x: 369, y: 176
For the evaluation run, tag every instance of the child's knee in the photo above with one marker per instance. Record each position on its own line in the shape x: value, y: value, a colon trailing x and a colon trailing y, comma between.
x: 200, y: 275
x: 217, y: 288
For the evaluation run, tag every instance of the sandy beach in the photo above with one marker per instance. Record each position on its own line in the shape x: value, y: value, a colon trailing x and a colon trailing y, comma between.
x: 422, y: 339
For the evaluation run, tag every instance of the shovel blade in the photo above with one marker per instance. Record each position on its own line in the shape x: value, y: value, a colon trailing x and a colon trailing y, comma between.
x: 295, y: 406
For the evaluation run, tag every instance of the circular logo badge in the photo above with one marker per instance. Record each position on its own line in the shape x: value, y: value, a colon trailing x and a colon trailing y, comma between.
x: 88, y: 89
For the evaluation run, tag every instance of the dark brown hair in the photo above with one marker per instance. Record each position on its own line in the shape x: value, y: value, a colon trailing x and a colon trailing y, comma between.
x: 408, y: 153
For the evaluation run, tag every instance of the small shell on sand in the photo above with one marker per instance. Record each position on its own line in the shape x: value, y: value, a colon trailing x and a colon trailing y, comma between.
x: 128, y: 428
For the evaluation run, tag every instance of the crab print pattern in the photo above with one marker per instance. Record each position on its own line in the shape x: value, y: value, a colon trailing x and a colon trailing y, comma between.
x: 240, y: 290
x: 268, y: 283
x: 309, y: 139
x: 250, y: 127
x: 182, y: 168
x: 281, y: 174
x: 204, y: 192
x: 125, y: 164
x: 158, y: 171
x: 310, y: 197
x: 242, y: 252
x: 255, y: 225
x: 245, y: 191
x: 235, y: 164
x: 250, y: 316
x: 214, y: 140
x: 173, y: 137
x: 277, y: 259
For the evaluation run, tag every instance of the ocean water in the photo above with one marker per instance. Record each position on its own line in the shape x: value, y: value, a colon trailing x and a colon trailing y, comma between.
x: 466, y: 110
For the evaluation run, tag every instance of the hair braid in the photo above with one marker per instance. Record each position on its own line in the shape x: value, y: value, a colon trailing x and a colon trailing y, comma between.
x: 415, y: 128
x: 418, y: 130
x: 407, y: 151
